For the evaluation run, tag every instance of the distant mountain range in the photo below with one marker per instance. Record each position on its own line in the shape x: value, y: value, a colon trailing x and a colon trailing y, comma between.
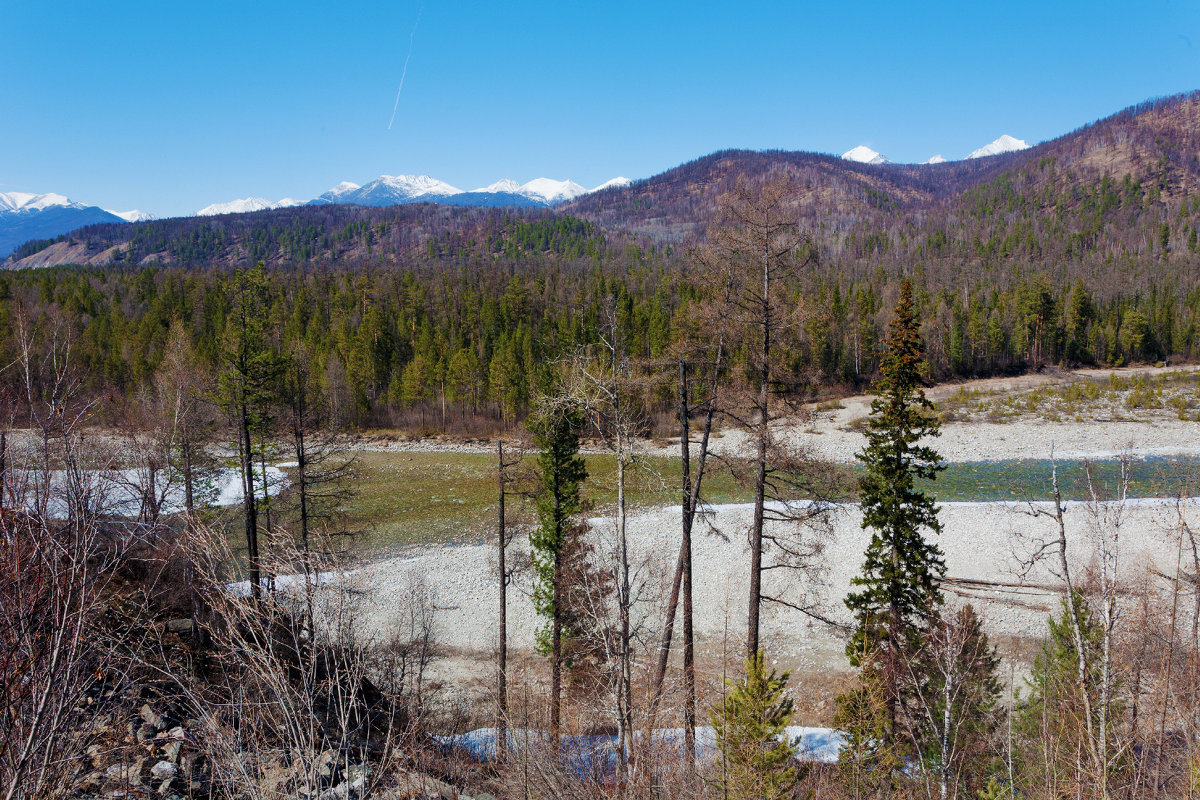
x: 25, y: 216
x: 1117, y: 189
x: 31, y: 217
x: 394, y: 190
x: 671, y: 206
x: 1005, y: 144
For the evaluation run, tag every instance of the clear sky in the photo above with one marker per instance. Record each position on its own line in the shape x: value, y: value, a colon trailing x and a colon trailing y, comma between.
x: 168, y: 106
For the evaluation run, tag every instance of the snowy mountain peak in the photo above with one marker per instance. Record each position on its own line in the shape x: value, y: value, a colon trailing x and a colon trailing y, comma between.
x: 864, y: 155
x: 551, y: 191
x: 507, y: 185
x: 615, y: 183
x: 244, y: 205
x: 938, y: 159
x: 132, y: 216
x: 411, y: 185
x: 1005, y: 144
x: 27, y: 201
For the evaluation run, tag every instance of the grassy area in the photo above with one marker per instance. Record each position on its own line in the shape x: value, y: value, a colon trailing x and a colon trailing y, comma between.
x: 1115, y: 398
x: 1029, y: 479
x: 405, y: 498
x: 409, y: 498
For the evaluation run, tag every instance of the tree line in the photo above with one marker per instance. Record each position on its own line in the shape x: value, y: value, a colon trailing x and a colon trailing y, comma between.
x: 463, y: 349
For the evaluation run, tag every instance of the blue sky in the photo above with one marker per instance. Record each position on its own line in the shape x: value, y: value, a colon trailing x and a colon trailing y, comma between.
x: 168, y: 106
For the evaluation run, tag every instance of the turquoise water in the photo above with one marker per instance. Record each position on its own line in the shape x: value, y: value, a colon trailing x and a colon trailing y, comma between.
x: 1029, y: 479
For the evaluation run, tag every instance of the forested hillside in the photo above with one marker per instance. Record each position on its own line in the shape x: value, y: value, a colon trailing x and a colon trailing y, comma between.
x: 1082, y: 250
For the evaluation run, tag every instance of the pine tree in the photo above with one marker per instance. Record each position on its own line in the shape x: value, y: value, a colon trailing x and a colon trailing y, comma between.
x: 757, y: 760
x: 561, y: 472
x: 897, y: 595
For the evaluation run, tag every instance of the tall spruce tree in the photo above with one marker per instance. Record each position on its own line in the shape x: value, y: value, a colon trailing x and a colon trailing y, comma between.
x: 897, y: 596
x: 562, y: 472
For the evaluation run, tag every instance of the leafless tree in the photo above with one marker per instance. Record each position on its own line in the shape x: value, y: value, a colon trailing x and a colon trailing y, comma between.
x: 603, y: 384
x: 756, y: 250
x: 1104, y: 516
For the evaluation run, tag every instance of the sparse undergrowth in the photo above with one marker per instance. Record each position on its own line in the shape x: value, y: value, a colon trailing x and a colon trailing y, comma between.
x: 1116, y: 398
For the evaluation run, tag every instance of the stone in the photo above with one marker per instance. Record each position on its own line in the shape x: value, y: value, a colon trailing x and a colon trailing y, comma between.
x: 126, y: 774
x: 416, y: 785
x: 179, y: 626
x: 164, y: 771
x: 151, y: 718
x: 326, y: 763
x: 171, y: 752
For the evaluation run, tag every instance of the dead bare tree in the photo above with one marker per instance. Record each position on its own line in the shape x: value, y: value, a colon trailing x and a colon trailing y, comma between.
x: 602, y: 384
x: 1094, y: 675
x: 323, y: 472
x: 756, y: 250
x: 508, y: 478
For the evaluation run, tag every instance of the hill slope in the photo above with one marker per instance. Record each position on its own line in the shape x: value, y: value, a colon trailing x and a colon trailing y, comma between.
x: 1127, y: 186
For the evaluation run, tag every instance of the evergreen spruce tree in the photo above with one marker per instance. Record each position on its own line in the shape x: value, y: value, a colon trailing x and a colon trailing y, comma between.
x: 757, y: 760
x: 562, y: 472
x: 897, y: 596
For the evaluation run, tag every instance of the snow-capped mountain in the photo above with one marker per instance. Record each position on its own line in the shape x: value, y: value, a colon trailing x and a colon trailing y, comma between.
x: 132, y: 216
x: 864, y: 155
x: 244, y: 205
x: 387, y: 190
x: 27, y: 201
x: 550, y: 191
x: 26, y: 215
x: 938, y: 159
x: 506, y: 185
x: 335, y: 194
x: 615, y: 183
x: 1005, y: 144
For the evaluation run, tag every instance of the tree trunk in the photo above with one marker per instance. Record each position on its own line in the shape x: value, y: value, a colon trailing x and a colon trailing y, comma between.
x: 502, y: 656
x: 685, y: 553
x: 760, y: 467
x: 556, y: 626
x: 3, y: 466
x: 624, y: 690
x: 555, y: 671
x: 249, y: 504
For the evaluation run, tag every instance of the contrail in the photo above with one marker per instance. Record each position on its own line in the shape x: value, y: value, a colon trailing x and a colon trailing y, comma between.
x: 404, y: 71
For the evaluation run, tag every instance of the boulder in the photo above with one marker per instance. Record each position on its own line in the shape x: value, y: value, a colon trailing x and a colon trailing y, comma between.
x: 171, y: 751
x: 164, y: 771
x: 151, y: 718
x: 417, y: 786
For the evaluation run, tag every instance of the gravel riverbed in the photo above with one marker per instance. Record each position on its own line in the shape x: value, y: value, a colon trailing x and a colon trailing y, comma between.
x: 983, y: 542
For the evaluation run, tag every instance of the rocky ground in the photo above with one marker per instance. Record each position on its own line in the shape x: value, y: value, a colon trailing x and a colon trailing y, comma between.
x: 987, y: 548
x: 156, y: 751
x: 833, y: 433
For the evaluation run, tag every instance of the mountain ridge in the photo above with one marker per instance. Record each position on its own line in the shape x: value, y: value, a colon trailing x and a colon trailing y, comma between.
x: 1049, y: 185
